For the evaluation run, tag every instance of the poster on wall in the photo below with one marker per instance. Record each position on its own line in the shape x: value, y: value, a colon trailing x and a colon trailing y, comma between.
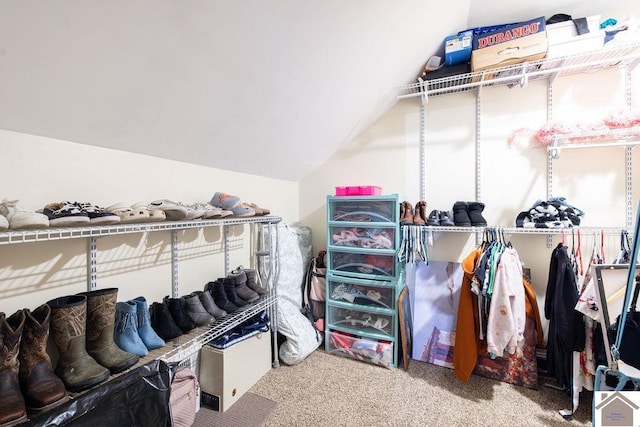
x: 436, y: 295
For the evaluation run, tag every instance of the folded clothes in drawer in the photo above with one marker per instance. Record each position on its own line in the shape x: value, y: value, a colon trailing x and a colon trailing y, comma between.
x: 380, y: 353
x: 364, y: 237
x: 361, y: 292
x: 363, y: 264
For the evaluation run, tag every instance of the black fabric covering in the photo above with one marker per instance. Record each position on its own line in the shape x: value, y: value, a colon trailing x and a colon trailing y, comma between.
x: 137, y: 398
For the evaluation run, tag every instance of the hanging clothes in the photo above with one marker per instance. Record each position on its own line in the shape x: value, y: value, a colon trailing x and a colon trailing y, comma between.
x: 495, y: 301
x: 505, y: 325
x: 566, y: 326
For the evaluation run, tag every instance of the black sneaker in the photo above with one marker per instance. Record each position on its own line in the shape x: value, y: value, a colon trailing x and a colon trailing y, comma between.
x: 445, y: 219
x: 434, y: 218
x: 98, y: 215
x: 65, y: 214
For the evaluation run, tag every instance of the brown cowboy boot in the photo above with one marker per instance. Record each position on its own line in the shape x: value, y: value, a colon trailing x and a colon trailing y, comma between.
x: 407, y: 217
x: 77, y: 370
x: 41, y: 388
x: 420, y: 216
x: 101, y: 318
x: 12, y: 407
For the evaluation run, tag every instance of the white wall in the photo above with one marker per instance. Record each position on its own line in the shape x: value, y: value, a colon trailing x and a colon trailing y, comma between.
x: 39, y: 170
x: 513, y: 177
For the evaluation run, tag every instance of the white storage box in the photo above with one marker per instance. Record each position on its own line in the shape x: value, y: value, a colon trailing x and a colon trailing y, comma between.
x: 563, y: 39
x: 226, y: 374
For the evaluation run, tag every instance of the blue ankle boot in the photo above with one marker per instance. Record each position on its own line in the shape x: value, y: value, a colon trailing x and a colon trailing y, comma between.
x: 125, y: 333
x: 149, y: 337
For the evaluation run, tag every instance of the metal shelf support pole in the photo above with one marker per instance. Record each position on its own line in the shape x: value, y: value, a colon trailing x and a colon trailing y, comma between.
x: 423, y: 153
x: 227, y: 261
x: 628, y: 154
x: 550, y: 155
x: 92, y: 264
x: 175, y: 288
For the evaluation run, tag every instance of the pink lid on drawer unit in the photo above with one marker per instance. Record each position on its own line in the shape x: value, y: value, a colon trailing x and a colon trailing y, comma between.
x: 359, y: 190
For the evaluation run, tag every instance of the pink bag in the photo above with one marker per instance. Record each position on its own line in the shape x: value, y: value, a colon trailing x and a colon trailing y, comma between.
x: 183, y: 397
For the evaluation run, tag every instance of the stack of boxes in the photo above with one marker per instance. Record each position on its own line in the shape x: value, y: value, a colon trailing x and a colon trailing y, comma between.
x: 486, y: 48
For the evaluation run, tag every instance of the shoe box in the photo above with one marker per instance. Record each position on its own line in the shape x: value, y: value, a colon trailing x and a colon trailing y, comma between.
x: 226, y: 374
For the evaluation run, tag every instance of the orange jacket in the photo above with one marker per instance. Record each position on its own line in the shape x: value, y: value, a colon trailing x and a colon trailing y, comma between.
x: 467, y: 345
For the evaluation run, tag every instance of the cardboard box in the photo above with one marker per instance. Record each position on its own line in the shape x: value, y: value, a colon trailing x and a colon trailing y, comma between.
x: 563, y: 38
x: 457, y: 49
x: 513, y: 44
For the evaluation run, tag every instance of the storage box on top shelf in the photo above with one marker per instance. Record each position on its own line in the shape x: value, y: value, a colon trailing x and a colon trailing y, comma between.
x: 359, y: 190
x: 457, y: 48
x: 508, y: 45
x: 564, y: 38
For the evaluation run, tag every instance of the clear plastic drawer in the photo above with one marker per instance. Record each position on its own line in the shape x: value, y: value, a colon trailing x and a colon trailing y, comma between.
x: 376, y: 352
x: 361, y: 292
x: 359, y: 320
x: 359, y: 264
x: 363, y: 237
x: 368, y: 210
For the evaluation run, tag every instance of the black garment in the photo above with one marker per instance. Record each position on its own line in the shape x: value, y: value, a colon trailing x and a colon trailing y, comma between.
x: 566, y: 325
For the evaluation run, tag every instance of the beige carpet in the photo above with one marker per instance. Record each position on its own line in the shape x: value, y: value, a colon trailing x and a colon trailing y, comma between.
x: 328, y: 390
x: 250, y: 410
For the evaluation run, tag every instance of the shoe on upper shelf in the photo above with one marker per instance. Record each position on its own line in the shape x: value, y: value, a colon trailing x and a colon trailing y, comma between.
x: 4, y: 223
x: 19, y: 218
x: 98, y: 215
x: 445, y: 219
x: 129, y: 214
x: 243, y: 210
x: 174, y: 211
x: 150, y: 214
x: 66, y: 214
x: 433, y: 218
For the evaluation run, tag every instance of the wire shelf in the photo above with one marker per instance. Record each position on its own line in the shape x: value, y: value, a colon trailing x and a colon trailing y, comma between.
x: 191, y: 344
x: 46, y: 234
x: 521, y: 74
x: 522, y: 230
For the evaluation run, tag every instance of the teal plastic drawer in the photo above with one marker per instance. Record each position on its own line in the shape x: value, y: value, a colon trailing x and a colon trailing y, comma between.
x: 353, y: 318
x: 380, y: 209
x: 366, y: 293
x: 361, y: 236
x: 371, y: 351
x: 367, y: 265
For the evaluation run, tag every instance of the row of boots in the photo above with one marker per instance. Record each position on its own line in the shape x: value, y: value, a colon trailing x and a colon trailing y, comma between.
x: 465, y: 214
x: 82, y: 328
x: 174, y: 317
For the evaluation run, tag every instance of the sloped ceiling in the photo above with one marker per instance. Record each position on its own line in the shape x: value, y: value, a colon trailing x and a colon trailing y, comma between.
x: 265, y: 87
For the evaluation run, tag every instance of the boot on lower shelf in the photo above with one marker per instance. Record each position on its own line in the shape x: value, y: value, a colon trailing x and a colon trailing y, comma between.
x: 196, y: 311
x: 12, y: 406
x: 239, y: 280
x: 149, y: 337
x: 209, y: 304
x: 41, y: 388
x: 125, y: 333
x: 76, y: 368
x: 220, y: 296
x: 101, y: 316
x: 252, y: 280
x: 162, y: 322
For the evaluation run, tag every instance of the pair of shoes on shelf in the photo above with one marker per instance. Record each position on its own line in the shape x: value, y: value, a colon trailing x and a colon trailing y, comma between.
x: 76, y: 214
x: 82, y: 327
x: 235, y: 205
x: 133, y: 331
x: 468, y: 214
x: 440, y: 218
x: 137, y: 213
x: 15, y: 217
x: 410, y: 217
x: 237, y: 290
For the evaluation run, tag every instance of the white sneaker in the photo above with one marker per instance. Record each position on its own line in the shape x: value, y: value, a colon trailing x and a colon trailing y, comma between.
x: 174, y: 211
x: 20, y: 218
